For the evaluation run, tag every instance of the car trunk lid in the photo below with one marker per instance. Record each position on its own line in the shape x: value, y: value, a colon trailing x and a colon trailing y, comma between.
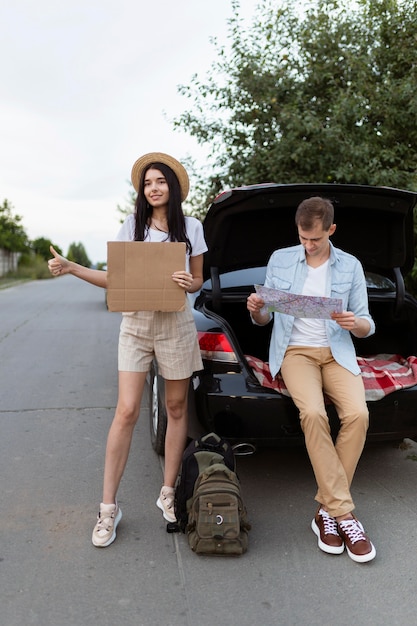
x: 244, y: 226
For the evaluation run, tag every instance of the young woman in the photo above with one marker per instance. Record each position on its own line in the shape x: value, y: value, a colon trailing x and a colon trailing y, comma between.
x: 162, y: 184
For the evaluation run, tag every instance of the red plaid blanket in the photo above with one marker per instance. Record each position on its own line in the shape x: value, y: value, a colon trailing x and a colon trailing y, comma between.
x: 382, y: 374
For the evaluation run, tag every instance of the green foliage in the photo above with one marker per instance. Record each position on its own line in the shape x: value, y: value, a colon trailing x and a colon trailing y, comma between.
x: 77, y: 253
x: 32, y: 263
x: 32, y: 267
x: 325, y: 96
x: 41, y: 247
x: 12, y: 234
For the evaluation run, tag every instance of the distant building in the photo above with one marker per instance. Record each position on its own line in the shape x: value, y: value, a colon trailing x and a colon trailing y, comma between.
x: 8, y: 261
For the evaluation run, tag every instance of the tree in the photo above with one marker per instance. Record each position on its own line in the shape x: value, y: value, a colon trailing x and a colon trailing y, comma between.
x: 41, y: 247
x: 76, y: 252
x: 325, y: 96
x: 13, y: 237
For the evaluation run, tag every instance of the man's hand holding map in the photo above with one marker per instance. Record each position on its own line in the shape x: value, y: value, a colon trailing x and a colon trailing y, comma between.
x: 298, y: 305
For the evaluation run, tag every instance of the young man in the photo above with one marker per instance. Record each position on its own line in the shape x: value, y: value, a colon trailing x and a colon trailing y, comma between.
x: 317, y: 357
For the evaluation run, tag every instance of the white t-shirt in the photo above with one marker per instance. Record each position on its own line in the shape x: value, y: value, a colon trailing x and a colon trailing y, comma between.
x: 309, y: 331
x: 193, y: 227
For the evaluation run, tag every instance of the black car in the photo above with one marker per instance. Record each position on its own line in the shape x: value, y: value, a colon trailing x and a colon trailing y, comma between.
x: 243, y: 227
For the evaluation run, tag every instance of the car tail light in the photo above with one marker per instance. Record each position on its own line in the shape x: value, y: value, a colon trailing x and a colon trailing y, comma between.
x: 216, y: 347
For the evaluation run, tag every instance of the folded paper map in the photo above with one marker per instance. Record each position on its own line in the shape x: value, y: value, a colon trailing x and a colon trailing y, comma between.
x: 297, y: 305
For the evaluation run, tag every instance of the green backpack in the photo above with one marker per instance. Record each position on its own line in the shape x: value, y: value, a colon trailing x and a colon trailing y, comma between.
x: 217, y: 518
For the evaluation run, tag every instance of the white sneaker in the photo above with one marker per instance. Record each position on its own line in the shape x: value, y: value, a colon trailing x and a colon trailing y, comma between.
x: 104, y: 532
x: 166, y: 503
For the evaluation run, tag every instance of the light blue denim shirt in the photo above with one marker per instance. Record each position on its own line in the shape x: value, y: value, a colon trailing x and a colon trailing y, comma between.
x: 287, y: 270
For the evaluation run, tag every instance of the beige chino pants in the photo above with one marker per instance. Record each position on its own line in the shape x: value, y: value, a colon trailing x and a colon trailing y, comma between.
x: 308, y: 373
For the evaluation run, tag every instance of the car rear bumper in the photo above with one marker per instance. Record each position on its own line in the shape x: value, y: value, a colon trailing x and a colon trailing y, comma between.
x: 244, y: 412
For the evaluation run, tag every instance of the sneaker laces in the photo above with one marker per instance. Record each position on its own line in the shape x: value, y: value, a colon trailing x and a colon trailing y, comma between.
x: 353, y: 529
x: 105, y: 520
x: 168, y: 498
x: 329, y: 523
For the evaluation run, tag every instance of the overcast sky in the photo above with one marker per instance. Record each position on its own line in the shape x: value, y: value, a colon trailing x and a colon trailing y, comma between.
x: 86, y: 87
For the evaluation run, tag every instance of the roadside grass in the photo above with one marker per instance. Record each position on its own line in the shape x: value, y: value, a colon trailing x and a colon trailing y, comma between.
x: 12, y: 281
x: 36, y: 269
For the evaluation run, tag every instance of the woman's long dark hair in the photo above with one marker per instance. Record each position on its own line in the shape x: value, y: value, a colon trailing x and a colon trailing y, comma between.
x: 176, y: 221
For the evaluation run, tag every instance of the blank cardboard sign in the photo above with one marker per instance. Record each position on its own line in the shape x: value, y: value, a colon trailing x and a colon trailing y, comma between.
x: 139, y: 276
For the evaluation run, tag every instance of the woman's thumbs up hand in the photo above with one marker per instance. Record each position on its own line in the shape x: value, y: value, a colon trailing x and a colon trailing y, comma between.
x: 58, y: 265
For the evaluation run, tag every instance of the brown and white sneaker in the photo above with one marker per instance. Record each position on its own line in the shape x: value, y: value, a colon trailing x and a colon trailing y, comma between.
x: 358, y: 545
x: 324, y: 526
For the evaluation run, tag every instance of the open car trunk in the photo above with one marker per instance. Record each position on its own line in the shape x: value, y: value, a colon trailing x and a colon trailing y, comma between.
x: 396, y: 330
x: 392, y: 417
x: 242, y: 228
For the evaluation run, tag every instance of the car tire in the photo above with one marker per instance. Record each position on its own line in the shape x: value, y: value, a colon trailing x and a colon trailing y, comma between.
x: 158, y: 419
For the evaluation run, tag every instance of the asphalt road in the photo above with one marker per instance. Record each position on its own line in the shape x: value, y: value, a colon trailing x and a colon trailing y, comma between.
x: 57, y: 396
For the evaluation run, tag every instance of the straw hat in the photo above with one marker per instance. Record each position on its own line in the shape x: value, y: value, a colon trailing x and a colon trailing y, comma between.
x: 159, y: 157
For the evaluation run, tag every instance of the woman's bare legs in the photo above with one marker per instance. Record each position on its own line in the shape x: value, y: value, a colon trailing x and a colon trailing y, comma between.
x: 176, y: 401
x: 131, y: 385
x: 176, y: 398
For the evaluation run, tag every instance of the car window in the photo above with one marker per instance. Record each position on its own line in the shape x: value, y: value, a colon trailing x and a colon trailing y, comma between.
x: 376, y: 281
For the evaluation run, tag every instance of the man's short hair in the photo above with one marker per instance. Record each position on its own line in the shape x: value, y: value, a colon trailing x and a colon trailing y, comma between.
x: 312, y: 210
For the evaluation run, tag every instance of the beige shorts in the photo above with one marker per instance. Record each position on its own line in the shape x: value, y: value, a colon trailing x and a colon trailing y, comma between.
x: 169, y: 337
